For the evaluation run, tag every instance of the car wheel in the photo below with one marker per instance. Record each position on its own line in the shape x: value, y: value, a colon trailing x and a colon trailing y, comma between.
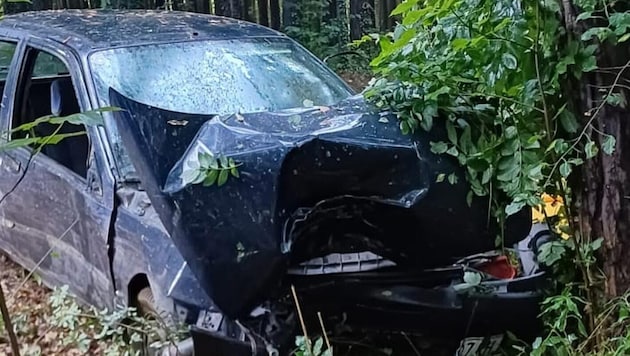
x: 145, y: 302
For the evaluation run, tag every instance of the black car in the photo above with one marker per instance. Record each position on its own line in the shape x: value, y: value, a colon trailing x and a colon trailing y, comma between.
x: 325, y: 194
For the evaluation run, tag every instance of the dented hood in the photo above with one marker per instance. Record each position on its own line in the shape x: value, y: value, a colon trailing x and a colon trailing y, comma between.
x: 312, y: 181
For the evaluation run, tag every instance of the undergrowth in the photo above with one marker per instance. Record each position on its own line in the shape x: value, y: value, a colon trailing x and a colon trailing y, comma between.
x: 122, y: 331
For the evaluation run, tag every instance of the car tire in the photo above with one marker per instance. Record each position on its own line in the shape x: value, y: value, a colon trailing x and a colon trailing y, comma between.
x: 145, y: 303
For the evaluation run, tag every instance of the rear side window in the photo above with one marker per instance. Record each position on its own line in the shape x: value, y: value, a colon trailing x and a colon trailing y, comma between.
x: 7, y: 51
x: 47, y: 65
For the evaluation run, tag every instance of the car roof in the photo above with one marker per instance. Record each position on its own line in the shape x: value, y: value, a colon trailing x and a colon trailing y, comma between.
x: 87, y: 30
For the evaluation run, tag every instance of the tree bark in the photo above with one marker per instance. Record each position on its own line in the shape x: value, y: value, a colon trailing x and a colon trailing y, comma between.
x: 603, y: 192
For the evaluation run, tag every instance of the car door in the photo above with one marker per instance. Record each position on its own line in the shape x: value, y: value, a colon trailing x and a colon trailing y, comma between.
x: 56, y: 218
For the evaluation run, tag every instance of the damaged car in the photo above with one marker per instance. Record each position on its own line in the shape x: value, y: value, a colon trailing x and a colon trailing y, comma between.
x: 238, y: 169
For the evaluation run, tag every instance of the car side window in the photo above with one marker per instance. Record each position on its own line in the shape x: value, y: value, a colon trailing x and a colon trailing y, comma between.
x: 45, y: 88
x: 48, y: 65
x: 7, y: 51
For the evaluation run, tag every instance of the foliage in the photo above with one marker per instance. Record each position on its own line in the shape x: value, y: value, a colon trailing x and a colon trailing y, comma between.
x: 29, y: 138
x: 499, y: 78
x: 568, y: 333
x: 306, y: 347
x: 441, y: 65
x: 326, y: 34
x: 123, y: 328
x: 208, y: 170
x: 312, y: 28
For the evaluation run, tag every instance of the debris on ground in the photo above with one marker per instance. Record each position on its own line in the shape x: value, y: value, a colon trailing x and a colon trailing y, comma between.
x: 31, y: 313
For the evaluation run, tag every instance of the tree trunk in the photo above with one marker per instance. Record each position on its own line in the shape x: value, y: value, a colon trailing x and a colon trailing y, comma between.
x: 603, y: 192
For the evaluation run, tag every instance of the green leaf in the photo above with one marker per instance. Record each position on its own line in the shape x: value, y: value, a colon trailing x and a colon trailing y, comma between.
x: 200, y: 177
x: 453, y: 151
x: 438, y: 147
x: 460, y: 43
x: 472, y: 278
x: 589, y: 64
x: 452, y: 178
x: 597, y: 244
x: 403, y: 7
x: 234, y: 172
x: 205, y: 159
x: 487, y: 175
x: 317, y: 348
x: 404, y: 127
x: 17, y: 143
x: 224, y: 161
x: 608, y: 146
x: 190, y: 175
x: 551, y: 252
x: 509, y: 61
x: 624, y: 38
x: 616, y: 99
x: 514, y: 207
x: 452, y: 134
x: 568, y: 121
x: 590, y: 149
x: 55, y: 139
x: 440, y: 178
x: 600, y: 32
x: 584, y: 16
x: 565, y: 169
x: 414, y: 15
x: 537, y: 343
x: 469, y: 198
x: 510, y: 132
x: 211, y: 178
x: 426, y: 123
x: 223, y: 177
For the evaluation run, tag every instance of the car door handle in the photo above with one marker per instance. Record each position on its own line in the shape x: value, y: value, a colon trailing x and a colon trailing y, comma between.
x: 10, y: 164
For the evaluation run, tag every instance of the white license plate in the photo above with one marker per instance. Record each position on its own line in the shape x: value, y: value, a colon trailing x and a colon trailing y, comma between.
x: 479, y: 346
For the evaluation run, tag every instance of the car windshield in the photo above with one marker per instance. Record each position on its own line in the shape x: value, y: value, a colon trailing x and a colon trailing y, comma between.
x: 218, y: 77
x: 215, y: 77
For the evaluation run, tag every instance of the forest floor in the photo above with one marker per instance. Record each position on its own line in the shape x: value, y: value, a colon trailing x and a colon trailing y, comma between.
x: 31, y: 312
x: 358, y: 81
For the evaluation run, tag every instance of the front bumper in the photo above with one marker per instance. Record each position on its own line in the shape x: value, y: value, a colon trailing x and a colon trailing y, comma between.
x: 436, y: 304
x: 397, y: 302
x: 400, y: 302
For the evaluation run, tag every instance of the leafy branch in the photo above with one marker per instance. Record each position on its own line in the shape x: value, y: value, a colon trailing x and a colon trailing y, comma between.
x: 208, y: 170
x: 88, y: 118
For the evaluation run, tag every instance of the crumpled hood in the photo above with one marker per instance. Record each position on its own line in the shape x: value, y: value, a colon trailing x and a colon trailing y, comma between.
x: 312, y: 181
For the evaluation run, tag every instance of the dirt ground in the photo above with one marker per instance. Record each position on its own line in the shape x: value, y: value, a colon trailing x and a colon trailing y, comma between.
x: 358, y: 81
x: 30, y: 311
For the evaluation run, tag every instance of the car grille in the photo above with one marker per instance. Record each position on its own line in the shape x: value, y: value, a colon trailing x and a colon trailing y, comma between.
x: 341, y: 263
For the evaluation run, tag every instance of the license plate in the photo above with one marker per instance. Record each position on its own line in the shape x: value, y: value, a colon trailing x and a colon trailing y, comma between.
x: 479, y: 346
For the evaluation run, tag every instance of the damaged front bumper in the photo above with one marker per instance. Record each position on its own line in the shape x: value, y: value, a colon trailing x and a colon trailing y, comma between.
x: 366, y: 293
